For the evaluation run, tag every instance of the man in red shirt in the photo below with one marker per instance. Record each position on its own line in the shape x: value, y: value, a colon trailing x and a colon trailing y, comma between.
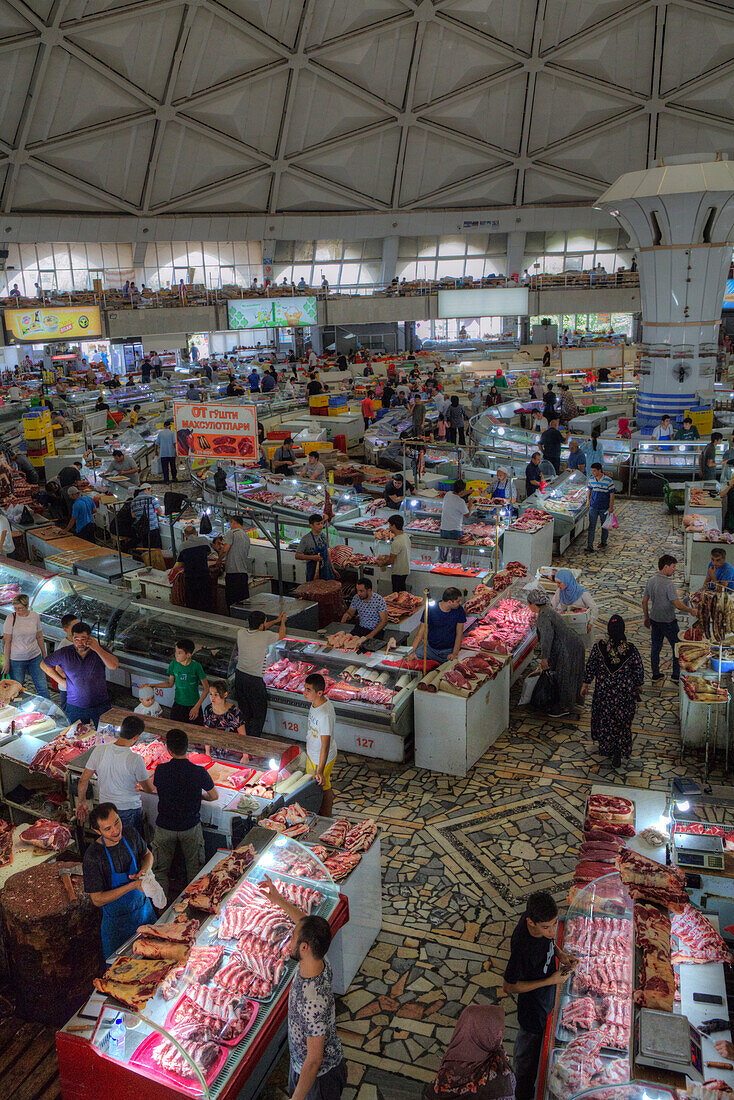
x: 368, y: 410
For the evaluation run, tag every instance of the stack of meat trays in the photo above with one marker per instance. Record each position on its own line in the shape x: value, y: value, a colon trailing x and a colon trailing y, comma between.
x: 609, y: 822
x: 600, y: 986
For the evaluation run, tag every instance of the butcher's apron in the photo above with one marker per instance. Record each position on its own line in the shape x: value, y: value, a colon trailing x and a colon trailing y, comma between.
x: 320, y: 547
x: 500, y: 491
x: 122, y: 918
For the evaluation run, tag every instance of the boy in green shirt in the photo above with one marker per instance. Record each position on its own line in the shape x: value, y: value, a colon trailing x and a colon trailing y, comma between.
x: 190, y: 682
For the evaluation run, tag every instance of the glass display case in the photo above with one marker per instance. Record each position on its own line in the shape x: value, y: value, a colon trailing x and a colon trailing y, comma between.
x: 597, y: 994
x: 238, y: 1038
x: 100, y: 606
x: 17, y: 579
x: 564, y: 498
x: 31, y: 716
x: 677, y: 461
x: 145, y: 630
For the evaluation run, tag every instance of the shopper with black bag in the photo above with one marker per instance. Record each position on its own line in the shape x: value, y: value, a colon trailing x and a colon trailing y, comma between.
x: 561, y: 652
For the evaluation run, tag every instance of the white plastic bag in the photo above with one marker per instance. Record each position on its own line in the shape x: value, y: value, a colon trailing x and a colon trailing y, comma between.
x: 611, y: 522
x: 527, y: 689
x: 153, y: 889
x: 156, y: 468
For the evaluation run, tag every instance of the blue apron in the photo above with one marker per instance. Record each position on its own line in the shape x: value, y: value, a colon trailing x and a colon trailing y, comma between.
x: 500, y: 490
x: 122, y: 918
x: 326, y: 573
x: 665, y: 438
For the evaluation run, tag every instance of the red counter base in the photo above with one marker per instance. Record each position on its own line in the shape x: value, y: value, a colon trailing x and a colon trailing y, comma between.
x: 87, y: 1074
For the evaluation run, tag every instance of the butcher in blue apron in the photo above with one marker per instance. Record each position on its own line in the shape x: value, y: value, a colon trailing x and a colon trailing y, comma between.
x: 314, y: 550
x: 113, y: 867
x: 663, y: 433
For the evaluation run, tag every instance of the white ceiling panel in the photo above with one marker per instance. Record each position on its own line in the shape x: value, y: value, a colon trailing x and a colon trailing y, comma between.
x: 156, y: 107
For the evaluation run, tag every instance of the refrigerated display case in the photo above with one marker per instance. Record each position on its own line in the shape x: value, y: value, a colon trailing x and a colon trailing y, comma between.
x: 98, y: 605
x: 656, y: 463
x: 373, y: 700
x: 17, y: 578
x: 26, y: 726
x: 565, y: 499
x: 145, y: 630
x: 598, y: 929
x: 88, y: 1062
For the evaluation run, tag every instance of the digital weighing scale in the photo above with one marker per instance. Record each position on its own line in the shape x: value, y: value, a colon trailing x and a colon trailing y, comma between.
x: 702, y: 853
x: 667, y: 1041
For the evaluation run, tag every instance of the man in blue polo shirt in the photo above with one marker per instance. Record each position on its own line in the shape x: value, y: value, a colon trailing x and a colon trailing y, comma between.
x: 445, y: 628
x: 601, y: 502
x: 720, y: 572
x: 369, y: 609
x: 576, y: 457
x: 82, y: 515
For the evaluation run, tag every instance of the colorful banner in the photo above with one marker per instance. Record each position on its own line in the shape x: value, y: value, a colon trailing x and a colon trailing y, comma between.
x: 216, y: 431
x: 271, y: 312
x: 729, y: 294
x: 33, y: 326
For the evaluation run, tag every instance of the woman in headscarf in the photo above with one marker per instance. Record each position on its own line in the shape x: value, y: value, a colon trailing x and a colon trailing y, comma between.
x: 503, y: 491
x: 475, y: 1065
x: 570, y: 594
x: 617, y: 667
x: 494, y: 397
x: 561, y: 652
x: 623, y: 428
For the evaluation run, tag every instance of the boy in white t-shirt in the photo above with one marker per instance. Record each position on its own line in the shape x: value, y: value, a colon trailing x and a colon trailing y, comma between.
x: 320, y: 739
x: 148, y: 705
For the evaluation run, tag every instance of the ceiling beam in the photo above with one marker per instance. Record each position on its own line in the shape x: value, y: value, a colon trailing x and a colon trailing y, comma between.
x: 527, y: 115
x: 297, y: 62
x: 209, y: 189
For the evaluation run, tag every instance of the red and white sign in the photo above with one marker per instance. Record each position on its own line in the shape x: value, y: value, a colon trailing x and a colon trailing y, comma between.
x: 216, y: 431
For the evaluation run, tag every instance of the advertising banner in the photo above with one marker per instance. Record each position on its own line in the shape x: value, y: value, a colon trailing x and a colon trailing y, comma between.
x: 729, y: 294
x: 33, y: 326
x: 485, y: 302
x: 216, y: 431
x: 271, y: 312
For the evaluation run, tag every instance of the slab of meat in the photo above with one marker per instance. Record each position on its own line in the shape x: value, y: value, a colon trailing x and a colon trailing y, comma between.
x: 599, y: 977
x: 580, y: 1013
x: 400, y: 605
x: 345, y: 557
x: 160, y: 949
x: 240, y: 980
x: 341, y: 864
x: 343, y: 639
x: 54, y: 758
x: 336, y: 834
x: 611, y: 808
x: 271, y: 924
x: 176, y: 933
x: 208, y: 891
x: 607, y: 936
x: 647, y: 880
x: 698, y: 940
x: 49, y: 835
x: 576, y: 1065
x: 361, y: 836
x: 169, y: 1059
x: 616, y: 1072
x: 656, y: 982
x: 303, y: 896
x: 587, y: 871
x: 153, y: 753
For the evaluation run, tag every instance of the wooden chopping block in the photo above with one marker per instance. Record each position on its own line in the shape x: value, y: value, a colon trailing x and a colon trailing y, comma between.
x: 53, y: 944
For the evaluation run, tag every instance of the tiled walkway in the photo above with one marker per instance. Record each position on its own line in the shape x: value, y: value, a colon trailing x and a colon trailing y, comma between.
x: 461, y: 855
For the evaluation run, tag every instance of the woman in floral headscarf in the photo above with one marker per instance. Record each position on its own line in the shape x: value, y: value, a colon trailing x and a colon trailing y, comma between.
x: 617, y: 667
x: 475, y: 1066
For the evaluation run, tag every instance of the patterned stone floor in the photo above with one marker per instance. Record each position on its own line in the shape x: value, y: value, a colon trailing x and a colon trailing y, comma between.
x: 461, y: 855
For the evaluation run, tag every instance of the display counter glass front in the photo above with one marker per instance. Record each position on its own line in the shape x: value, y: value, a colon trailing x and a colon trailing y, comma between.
x: 100, y: 606
x: 17, y: 579
x: 564, y: 498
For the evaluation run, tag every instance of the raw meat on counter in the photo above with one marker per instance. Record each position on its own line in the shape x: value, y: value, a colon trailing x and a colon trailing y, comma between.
x: 502, y: 628
x: 647, y: 880
x: 698, y: 940
x: 343, y: 639
x: 153, y: 754
x: 580, y: 1013
x: 54, y: 758
x: 345, y: 557
x: 200, y: 966
x: 400, y: 605
x: 576, y: 1065
x: 602, y: 976
x: 360, y: 837
x: 656, y: 982
x: 165, y: 1055
x: 180, y: 932
x: 208, y: 891
x: 531, y: 520
x: 302, y: 896
x: 702, y: 690
x: 133, y: 981
x: 341, y: 864
x: 696, y: 828
x: 606, y: 936
x: 298, y: 865
x: 8, y: 592
x: 336, y: 834
x: 272, y: 925
x: 240, y: 980
x: 51, y: 836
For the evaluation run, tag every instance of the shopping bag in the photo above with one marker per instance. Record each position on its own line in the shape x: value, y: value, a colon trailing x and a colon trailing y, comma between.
x: 544, y: 692
x: 610, y: 522
x: 528, y: 688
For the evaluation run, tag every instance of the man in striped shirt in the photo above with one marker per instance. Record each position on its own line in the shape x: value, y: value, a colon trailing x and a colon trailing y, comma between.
x: 601, y: 502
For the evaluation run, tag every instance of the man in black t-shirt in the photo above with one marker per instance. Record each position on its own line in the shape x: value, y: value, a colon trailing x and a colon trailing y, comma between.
x: 536, y: 966
x: 181, y: 786
x: 533, y: 476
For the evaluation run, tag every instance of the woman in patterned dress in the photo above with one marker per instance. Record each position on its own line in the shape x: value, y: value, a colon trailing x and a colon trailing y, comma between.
x: 220, y: 713
x: 561, y: 651
x: 617, y: 667
x: 475, y: 1067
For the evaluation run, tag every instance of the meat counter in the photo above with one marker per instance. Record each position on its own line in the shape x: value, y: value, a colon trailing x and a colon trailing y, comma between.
x: 565, y: 499
x: 373, y: 700
x: 88, y: 1065
x: 242, y: 791
x: 26, y: 727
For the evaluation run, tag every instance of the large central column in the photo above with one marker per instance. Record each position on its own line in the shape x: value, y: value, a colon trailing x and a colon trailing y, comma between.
x: 681, y: 214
